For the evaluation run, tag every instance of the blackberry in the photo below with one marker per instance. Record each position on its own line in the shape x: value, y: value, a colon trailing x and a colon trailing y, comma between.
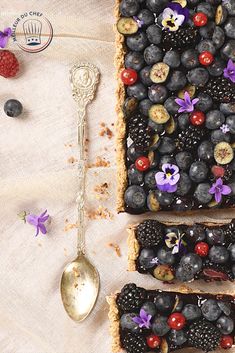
x: 220, y: 89
x: 183, y: 37
x: 131, y: 297
x: 229, y: 232
x: 189, y: 138
x: 218, y: 271
x: 228, y: 173
x: 134, y: 343
x: 149, y: 233
x: 139, y: 131
x: 204, y: 335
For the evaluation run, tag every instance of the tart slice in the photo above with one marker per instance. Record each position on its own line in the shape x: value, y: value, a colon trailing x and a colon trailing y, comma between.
x: 157, y: 321
x: 175, y: 252
x: 176, y: 105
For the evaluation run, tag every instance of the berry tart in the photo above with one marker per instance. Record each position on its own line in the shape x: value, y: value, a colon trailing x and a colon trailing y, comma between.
x: 183, y: 253
x: 176, y: 104
x: 151, y: 321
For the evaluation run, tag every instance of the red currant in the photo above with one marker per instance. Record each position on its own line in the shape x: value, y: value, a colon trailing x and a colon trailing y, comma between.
x: 142, y: 164
x: 200, y: 19
x: 153, y: 341
x: 218, y: 171
x: 206, y: 58
x: 197, y: 118
x: 176, y: 321
x: 202, y: 249
x: 226, y: 342
x: 129, y: 77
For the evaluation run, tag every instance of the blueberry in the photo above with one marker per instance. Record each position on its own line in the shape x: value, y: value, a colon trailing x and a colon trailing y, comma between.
x: 138, y: 90
x: 146, y: 257
x: 171, y: 106
x: 225, y: 307
x: 189, y: 59
x: 193, y: 2
x: 152, y: 54
x: 156, y: 5
x: 127, y: 323
x: 172, y: 59
x: 179, y: 306
x: 166, y: 159
x: 134, y: 60
x: 149, y: 179
x: 164, y: 198
x: 160, y: 326
x: 233, y: 271
x: 176, y: 81
x: 207, y: 30
x: 177, y: 337
x: 207, y: 9
x: 13, y: 108
x: 198, y: 76
x: 145, y: 76
x: 135, y: 176
x: 184, y: 160
x: 144, y: 106
x: 184, y: 185
x: 165, y: 256
x: 159, y: 19
x: 191, y: 312
x: 198, y: 171
x: 202, y: 194
x: 227, y: 108
x: 218, y: 37
x: 196, y: 233
x: 215, y: 236
x: 230, y: 121
x: 146, y: 16
x: 157, y: 93
x: 154, y: 34
x: 217, y: 67
x: 206, y: 151
x: 182, y: 275
x: 205, y: 102
x: 137, y: 42
x: 129, y: 8
x: 149, y: 308
x: 230, y: 6
x: 214, y: 119
x: 232, y: 252
x: 230, y: 27
x: 192, y: 260
x: 225, y: 325
x: 159, y: 128
x: 206, y: 45
x: 218, y: 136
x: 133, y: 153
x: 183, y: 121
x: 211, y: 310
x: 167, y: 145
x: 181, y: 204
x: 135, y: 196
x: 228, y: 49
x: 164, y: 302
x: 218, y: 254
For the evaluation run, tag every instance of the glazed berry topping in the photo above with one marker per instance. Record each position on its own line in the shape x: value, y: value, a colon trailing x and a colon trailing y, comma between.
x: 202, y: 249
x: 206, y: 58
x: 197, y: 118
x: 218, y: 171
x: 200, y: 19
x: 226, y: 342
x: 176, y: 321
x: 142, y: 164
x: 129, y: 76
x: 153, y: 341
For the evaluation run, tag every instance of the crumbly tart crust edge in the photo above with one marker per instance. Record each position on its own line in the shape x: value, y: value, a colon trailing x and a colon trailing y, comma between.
x: 134, y: 247
x: 120, y: 123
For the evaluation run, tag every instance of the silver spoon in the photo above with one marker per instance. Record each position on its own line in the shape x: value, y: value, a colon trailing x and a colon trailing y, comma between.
x: 80, y: 280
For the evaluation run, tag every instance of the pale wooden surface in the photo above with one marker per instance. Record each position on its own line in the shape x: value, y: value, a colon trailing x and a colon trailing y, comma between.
x: 35, y: 175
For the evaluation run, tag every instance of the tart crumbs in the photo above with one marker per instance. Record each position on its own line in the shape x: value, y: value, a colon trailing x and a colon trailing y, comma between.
x: 116, y: 247
x: 100, y: 213
x: 105, y: 131
x: 70, y: 226
x: 100, y: 162
x: 72, y: 160
x: 101, y: 191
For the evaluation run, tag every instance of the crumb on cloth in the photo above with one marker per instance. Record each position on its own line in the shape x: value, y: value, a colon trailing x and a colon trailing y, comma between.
x: 101, y: 191
x: 70, y: 226
x: 72, y: 160
x: 105, y: 131
x: 116, y: 248
x: 99, y: 162
x: 99, y: 213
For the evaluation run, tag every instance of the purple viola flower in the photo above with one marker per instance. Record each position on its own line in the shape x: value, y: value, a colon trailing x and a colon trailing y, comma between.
x: 174, y: 16
x: 168, y: 178
x: 38, y: 222
x: 143, y: 320
x: 224, y: 128
x: 186, y: 104
x: 219, y: 189
x: 175, y: 6
x: 140, y: 23
x: 229, y: 71
x: 175, y: 242
x: 4, y: 37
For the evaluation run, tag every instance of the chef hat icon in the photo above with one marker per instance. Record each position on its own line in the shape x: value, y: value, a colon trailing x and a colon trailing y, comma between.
x: 32, y: 31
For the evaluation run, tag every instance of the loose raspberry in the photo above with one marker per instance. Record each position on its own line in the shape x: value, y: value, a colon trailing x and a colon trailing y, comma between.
x: 9, y: 65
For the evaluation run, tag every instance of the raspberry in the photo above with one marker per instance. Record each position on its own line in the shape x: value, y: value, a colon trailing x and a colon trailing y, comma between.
x: 9, y: 65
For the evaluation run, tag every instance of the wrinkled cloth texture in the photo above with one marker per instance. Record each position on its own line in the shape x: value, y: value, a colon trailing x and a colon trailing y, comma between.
x: 35, y: 175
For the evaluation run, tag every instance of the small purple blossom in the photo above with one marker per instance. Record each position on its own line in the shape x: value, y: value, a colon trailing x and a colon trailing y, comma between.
x: 224, y: 128
x: 38, y: 222
x: 175, y: 242
x: 219, y: 189
x: 4, y: 37
x: 168, y: 178
x: 143, y: 320
x: 154, y: 261
x: 174, y: 16
x: 229, y: 71
x: 186, y: 104
x: 140, y: 23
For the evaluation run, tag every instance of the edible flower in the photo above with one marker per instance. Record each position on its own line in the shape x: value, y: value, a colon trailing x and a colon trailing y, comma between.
x: 36, y: 221
x: 175, y: 241
x: 4, y: 37
x: 219, y: 189
x: 174, y: 16
x: 224, y: 128
x: 186, y: 104
x: 143, y: 320
x: 167, y: 179
x: 154, y: 261
x: 229, y: 71
x: 139, y: 22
